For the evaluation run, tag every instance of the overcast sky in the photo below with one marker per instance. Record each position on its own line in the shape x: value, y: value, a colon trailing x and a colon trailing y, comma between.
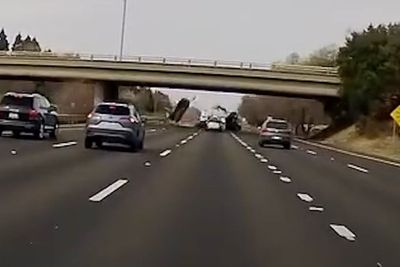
x: 247, y: 30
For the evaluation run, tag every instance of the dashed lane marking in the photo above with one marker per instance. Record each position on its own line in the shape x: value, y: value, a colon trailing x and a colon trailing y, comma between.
x: 264, y: 160
x: 295, y: 147
x: 311, y: 152
x: 285, y: 179
x: 66, y: 144
x: 277, y: 172
x: 108, y: 190
x: 316, y: 208
x: 305, y: 197
x: 165, y: 153
x: 259, y: 156
x: 357, y: 168
x: 343, y: 231
x: 272, y: 167
x: 183, y: 142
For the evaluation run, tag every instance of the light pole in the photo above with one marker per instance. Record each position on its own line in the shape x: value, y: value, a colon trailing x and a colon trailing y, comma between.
x: 121, y: 51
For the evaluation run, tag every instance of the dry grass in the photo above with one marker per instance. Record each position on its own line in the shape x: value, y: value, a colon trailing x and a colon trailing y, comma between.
x: 382, y: 145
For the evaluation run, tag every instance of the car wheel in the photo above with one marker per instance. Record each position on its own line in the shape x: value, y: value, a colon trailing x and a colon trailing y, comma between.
x: 39, y: 134
x: 141, y: 144
x: 99, y: 144
x: 286, y: 145
x: 88, y: 142
x: 53, y: 134
x: 16, y: 133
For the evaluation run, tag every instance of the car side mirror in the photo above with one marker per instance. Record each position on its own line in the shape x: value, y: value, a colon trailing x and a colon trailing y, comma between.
x: 53, y: 108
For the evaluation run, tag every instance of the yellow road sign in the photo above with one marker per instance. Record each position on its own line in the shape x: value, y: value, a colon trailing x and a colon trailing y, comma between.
x: 396, y: 115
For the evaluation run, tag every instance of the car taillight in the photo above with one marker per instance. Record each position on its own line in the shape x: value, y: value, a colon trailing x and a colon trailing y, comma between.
x: 33, y: 114
x: 133, y: 120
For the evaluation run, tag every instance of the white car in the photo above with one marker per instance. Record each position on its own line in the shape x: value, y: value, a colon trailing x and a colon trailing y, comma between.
x: 215, y: 124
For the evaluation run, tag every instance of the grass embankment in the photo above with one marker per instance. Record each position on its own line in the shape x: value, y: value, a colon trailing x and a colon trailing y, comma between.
x: 380, y: 144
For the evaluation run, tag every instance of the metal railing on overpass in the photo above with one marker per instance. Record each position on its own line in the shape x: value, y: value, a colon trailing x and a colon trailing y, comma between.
x: 175, y: 61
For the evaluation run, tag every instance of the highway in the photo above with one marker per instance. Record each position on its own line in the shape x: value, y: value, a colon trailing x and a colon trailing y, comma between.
x: 194, y: 198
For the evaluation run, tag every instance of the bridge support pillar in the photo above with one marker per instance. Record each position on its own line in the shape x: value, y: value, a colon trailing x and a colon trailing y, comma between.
x: 105, y: 91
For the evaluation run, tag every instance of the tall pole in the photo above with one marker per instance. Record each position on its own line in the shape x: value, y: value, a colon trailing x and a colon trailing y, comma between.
x: 121, y: 51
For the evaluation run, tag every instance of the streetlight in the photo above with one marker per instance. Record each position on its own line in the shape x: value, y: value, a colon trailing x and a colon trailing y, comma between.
x: 121, y: 51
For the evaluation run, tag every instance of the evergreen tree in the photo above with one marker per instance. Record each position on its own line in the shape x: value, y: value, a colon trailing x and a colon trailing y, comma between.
x: 3, y: 41
x: 17, y: 46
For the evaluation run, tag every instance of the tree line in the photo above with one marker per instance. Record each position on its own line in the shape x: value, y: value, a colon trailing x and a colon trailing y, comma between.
x: 20, y: 44
x: 369, y: 67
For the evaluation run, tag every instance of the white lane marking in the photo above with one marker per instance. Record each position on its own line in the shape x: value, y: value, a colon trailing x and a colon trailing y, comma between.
x: 259, y: 156
x: 285, y: 179
x: 147, y: 164
x: 277, y: 172
x: 196, y: 134
x: 272, y: 167
x: 312, y: 152
x: 358, y: 168
x: 152, y: 130
x: 165, y: 153
x: 252, y: 150
x: 315, y: 208
x: 332, y: 158
x: 190, y: 138
x: 343, y: 231
x: 388, y: 162
x: 264, y: 160
x: 295, y: 147
x: 59, y: 145
x: 108, y: 190
x: 305, y: 197
x: 177, y: 145
x: 183, y: 142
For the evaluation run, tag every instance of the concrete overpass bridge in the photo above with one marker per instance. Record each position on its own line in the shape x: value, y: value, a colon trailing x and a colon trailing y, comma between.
x: 108, y: 73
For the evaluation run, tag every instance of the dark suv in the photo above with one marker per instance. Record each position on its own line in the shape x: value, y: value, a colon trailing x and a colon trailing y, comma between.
x: 112, y: 122
x: 30, y: 113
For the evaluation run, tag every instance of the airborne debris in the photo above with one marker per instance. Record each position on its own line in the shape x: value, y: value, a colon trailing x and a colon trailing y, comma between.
x: 13, y: 152
x: 147, y: 164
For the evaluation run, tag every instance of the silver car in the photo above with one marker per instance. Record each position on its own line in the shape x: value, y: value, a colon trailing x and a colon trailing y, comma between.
x: 112, y: 122
x: 274, y: 131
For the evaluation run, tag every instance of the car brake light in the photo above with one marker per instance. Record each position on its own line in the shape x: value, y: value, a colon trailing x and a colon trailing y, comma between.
x: 33, y: 114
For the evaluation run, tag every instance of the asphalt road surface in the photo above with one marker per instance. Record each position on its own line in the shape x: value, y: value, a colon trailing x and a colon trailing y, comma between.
x: 194, y: 198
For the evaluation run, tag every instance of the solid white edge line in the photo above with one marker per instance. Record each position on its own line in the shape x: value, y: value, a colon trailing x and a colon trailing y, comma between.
x: 354, y: 154
x: 343, y: 231
x: 108, y: 190
x: 165, y: 153
x: 60, y: 145
x: 357, y: 168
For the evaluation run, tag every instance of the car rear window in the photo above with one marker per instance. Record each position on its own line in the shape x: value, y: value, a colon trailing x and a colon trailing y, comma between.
x: 112, y: 110
x: 10, y: 100
x: 277, y: 125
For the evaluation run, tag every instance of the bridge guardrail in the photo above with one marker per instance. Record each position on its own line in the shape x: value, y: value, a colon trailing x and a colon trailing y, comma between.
x: 175, y: 61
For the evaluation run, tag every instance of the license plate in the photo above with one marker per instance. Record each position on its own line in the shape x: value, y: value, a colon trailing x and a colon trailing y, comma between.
x: 276, y: 137
x: 13, y: 116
